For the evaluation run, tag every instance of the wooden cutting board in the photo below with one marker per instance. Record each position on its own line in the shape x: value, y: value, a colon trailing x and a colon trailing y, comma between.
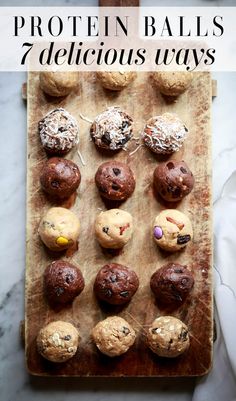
x: 141, y: 100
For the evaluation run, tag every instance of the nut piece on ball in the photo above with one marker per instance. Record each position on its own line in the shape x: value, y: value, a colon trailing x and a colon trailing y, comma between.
x: 115, y: 80
x: 172, y: 230
x: 115, y: 284
x: 173, y: 180
x: 62, y: 282
x: 60, y: 177
x: 58, y: 83
x: 58, y: 341
x: 168, y: 337
x: 113, y: 228
x: 172, y: 83
x: 113, y: 336
x: 59, y: 229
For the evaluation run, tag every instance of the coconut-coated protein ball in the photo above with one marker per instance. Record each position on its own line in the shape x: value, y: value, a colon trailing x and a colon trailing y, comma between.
x: 58, y: 83
x: 115, y: 80
x: 172, y: 83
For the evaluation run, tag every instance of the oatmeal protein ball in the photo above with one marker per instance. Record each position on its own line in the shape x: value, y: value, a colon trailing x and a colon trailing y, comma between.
x: 59, y: 228
x: 115, y: 284
x: 173, y: 180
x: 112, y: 129
x: 115, y: 80
x: 172, y: 83
x: 115, y: 180
x: 168, y: 337
x: 58, y: 83
x: 58, y: 341
x: 113, y: 228
x: 113, y: 336
x: 62, y: 282
x: 172, y: 283
x: 59, y: 132
x: 60, y: 177
x: 164, y: 134
x: 172, y: 230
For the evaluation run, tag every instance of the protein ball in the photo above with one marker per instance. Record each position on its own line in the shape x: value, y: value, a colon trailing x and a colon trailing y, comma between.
x: 172, y: 230
x: 113, y: 228
x: 58, y: 341
x: 112, y: 129
x: 168, y: 337
x: 172, y: 83
x: 164, y: 134
x: 58, y: 83
x: 173, y: 180
x: 60, y: 177
x: 58, y: 131
x: 113, y: 336
x: 115, y: 80
x: 115, y: 284
x: 62, y: 282
x: 115, y: 180
x: 171, y: 284
x: 59, y: 228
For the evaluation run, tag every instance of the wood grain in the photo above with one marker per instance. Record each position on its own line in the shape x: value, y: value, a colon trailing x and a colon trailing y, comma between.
x: 141, y: 101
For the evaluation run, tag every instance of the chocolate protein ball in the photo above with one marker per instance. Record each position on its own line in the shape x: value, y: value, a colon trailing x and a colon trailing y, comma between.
x: 173, y: 180
x: 115, y: 284
x: 172, y: 83
x: 58, y: 132
x: 58, y: 83
x: 164, y: 134
x: 172, y: 283
x: 60, y: 178
x: 115, y: 180
x: 62, y: 282
x: 115, y: 80
x: 112, y: 129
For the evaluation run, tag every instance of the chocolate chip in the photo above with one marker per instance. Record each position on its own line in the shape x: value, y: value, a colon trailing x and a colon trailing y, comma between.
x: 59, y: 291
x: 183, y: 239
x: 102, y: 189
x: 107, y: 292
x: 183, y: 335
x: 115, y: 186
x: 69, y: 278
x: 105, y: 229
x: 125, y: 330
x: 113, y: 278
x: 116, y: 171
x: 176, y: 193
x: 184, y: 171
x: 124, y: 294
x: 178, y: 270
x: 67, y: 338
x: 154, y: 331
x: 186, y: 129
x: 55, y: 184
x: 170, y: 165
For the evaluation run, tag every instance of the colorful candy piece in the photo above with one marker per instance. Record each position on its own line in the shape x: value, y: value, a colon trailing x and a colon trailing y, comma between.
x: 62, y: 241
x: 158, y: 233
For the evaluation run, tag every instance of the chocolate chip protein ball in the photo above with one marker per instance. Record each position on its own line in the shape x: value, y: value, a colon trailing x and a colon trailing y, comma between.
x: 59, y: 228
x: 58, y: 341
x: 112, y: 129
x: 113, y: 336
x: 164, y: 134
x: 59, y: 132
x: 172, y: 83
x: 115, y: 80
x: 115, y: 180
x: 60, y: 178
x: 58, y: 83
x: 115, y: 284
x: 62, y: 282
x: 172, y: 283
x: 172, y: 230
x: 113, y: 228
x: 173, y: 180
x: 168, y: 337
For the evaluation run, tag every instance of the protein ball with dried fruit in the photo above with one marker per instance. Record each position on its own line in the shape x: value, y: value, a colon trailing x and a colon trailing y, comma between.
x: 59, y: 228
x: 113, y: 336
x: 112, y: 129
x: 168, y: 337
x: 172, y: 230
x: 62, y: 282
x: 171, y: 284
x: 115, y: 284
x: 115, y: 180
x: 115, y: 80
x: 58, y: 83
x: 58, y: 131
x: 113, y: 228
x: 60, y: 177
x: 164, y: 134
x: 173, y: 180
x: 172, y: 83
x: 58, y: 341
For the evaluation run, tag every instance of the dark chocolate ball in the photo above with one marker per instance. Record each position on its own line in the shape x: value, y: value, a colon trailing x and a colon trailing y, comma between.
x: 173, y: 180
x: 172, y: 283
x: 115, y: 284
x: 62, y: 282
x: 60, y: 178
x: 115, y: 180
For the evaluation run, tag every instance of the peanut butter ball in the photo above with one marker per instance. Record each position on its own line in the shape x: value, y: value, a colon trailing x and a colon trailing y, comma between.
x: 172, y: 83
x: 58, y: 83
x: 115, y: 80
